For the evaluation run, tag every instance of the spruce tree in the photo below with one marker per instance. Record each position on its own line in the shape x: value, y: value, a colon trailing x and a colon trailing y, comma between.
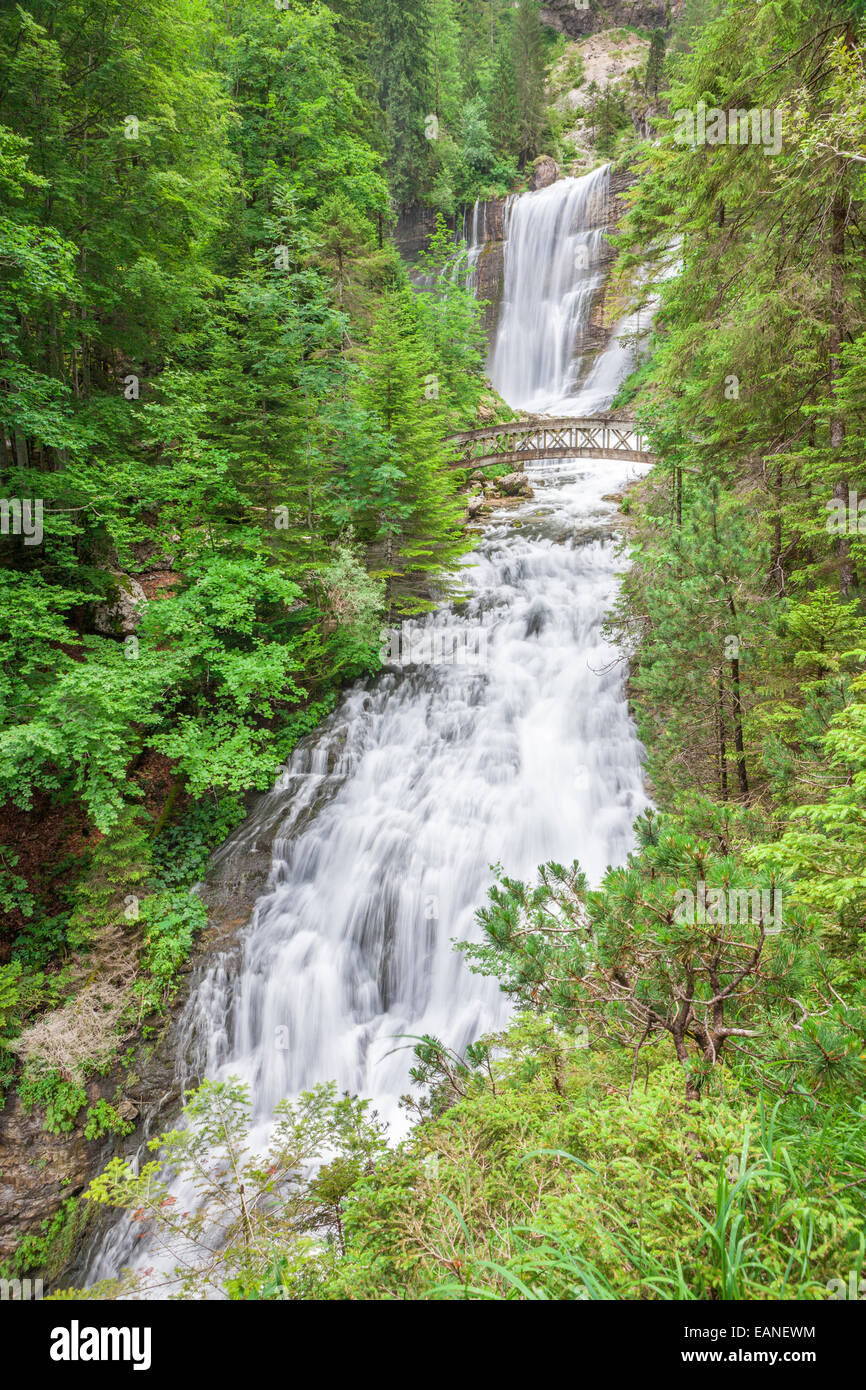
x: 529, y: 80
x: 401, y: 63
x: 409, y: 493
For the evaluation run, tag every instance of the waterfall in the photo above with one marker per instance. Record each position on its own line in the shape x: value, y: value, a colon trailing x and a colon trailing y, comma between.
x: 428, y: 775
x: 553, y: 271
x: 475, y: 240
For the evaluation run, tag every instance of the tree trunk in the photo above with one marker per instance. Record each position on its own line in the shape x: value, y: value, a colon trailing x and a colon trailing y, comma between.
x: 837, y: 423
x: 738, y: 728
x: 720, y: 726
x: 20, y: 449
x: 776, y: 561
x: 738, y: 710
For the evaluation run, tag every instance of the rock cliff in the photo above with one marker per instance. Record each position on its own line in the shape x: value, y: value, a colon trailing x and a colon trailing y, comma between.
x: 577, y: 19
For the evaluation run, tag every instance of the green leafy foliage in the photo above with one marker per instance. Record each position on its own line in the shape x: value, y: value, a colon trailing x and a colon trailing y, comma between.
x: 51, y: 1246
x: 552, y: 1179
x: 267, y: 1205
x: 60, y: 1099
x: 104, y: 1118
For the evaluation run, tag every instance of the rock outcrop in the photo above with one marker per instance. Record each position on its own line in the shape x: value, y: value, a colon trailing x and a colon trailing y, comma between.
x: 415, y: 225
x: 475, y: 504
x: 545, y: 171
x: 577, y: 19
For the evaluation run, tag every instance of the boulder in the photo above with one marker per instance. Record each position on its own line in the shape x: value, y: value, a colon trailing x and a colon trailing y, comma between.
x: 120, y: 615
x: 512, y: 484
x: 545, y: 171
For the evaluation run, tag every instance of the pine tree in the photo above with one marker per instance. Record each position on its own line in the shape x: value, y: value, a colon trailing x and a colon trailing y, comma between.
x: 409, y: 493
x: 655, y: 63
x: 401, y: 63
x: 529, y: 80
x: 502, y: 112
x: 445, y: 76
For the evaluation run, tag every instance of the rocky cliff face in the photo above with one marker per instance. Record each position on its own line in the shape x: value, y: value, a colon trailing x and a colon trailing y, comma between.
x: 491, y: 271
x: 40, y: 1170
x: 487, y: 224
x: 415, y: 225
x: 577, y: 19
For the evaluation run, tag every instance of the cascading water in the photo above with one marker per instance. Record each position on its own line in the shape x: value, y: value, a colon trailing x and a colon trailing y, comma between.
x: 522, y: 752
x: 554, y: 241
x: 474, y: 236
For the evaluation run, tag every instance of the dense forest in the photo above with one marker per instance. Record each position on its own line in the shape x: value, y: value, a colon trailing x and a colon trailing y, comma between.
x: 211, y: 358
x: 234, y: 403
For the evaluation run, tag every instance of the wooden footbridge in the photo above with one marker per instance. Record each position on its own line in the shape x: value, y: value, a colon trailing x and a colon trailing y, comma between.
x: 543, y: 437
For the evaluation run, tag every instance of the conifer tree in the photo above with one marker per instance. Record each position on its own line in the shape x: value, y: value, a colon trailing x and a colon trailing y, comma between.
x: 401, y: 62
x: 409, y: 494
x: 529, y: 80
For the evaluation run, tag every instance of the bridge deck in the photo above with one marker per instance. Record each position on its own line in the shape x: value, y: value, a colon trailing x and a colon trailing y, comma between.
x: 546, y: 437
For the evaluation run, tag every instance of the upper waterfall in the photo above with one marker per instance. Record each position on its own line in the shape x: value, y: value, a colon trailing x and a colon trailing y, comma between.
x: 553, y: 269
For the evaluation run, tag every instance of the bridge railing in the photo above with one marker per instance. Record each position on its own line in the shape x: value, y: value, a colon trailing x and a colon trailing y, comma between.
x: 596, y: 436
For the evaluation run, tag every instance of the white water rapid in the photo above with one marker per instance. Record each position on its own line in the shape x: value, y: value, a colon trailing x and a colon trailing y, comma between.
x: 434, y: 772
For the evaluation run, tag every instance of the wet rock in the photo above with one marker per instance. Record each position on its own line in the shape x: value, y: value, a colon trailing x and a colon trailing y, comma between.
x: 537, y: 618
x: 512, y: 484
x: 490, y: 272
x: 475, y: 505
x: 504, y: 502
x: 586, y: 535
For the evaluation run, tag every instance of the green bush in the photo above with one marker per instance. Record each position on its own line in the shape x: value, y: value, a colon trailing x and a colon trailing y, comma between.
x: 104, y: 1118
x: 50, y: 1248
x: 61, y: 1100
x: 554, y: 1178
